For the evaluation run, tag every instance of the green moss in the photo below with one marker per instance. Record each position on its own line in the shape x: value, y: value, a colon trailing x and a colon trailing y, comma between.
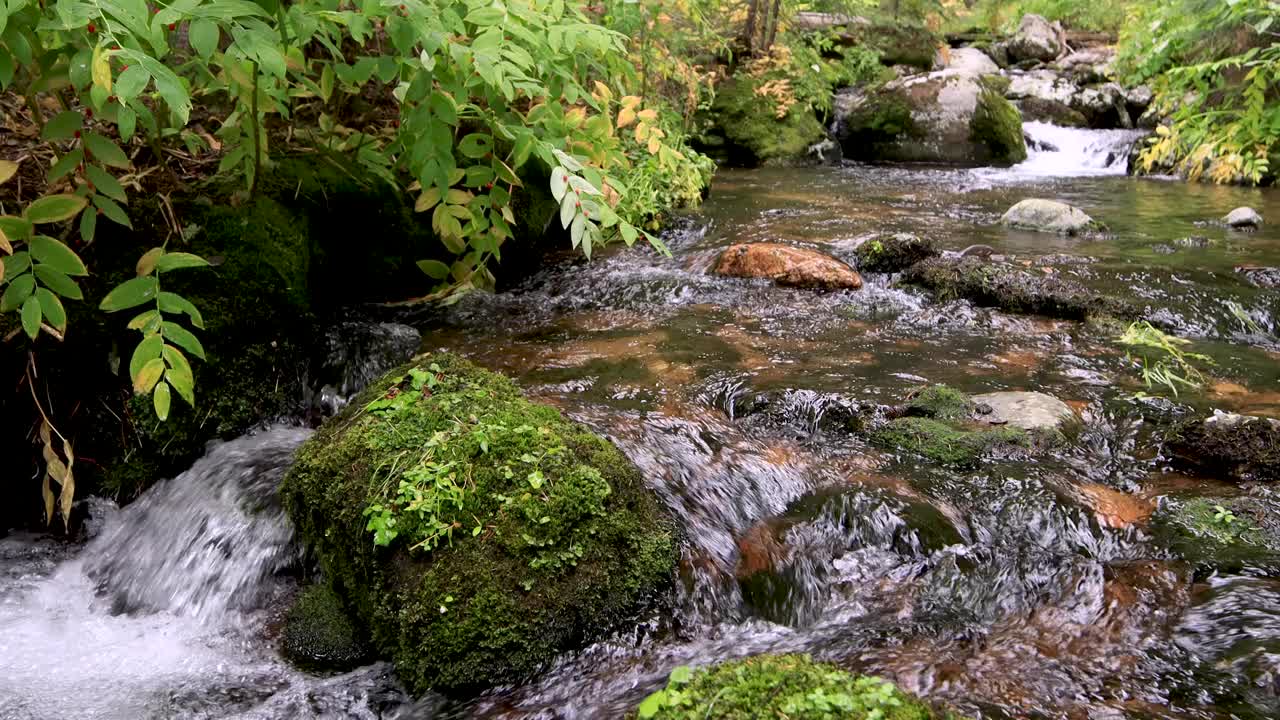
x: 949, y: 444
x: 882, y: 118
x: 1226, y: 534
x: 893, y: 253
x: 750, y: 132
x: 318, y: 633
x: 532, y: 567
x: 940, y: 402
x: 782, y: 686
x: 997, y: 124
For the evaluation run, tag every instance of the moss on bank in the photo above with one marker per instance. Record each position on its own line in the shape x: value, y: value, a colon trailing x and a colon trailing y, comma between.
x: 950, y: 444
x: 782, y: 686
x: 514, y: 533
x: 746, y: 132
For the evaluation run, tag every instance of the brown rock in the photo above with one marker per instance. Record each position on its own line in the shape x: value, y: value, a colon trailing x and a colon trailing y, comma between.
x: 787, y: 265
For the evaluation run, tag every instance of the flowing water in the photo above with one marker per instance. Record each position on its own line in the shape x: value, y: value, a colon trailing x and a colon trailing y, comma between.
x: 1017, y: 589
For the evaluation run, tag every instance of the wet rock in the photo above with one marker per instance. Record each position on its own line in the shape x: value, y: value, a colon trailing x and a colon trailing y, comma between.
x: 1223, y: 534
x: 1036, y: 39
x: 1139, y: 100
x: 1228, y: 446
x: 1049, y: 216
x: 1025, y: 410
x: 554, y: 540
x: 1014, y: 289
x: 1042, y: 84
x: 787, y: 265
x: 1113, y: 508
x: 1258, y: 276
x: 1051, y: 111
x: 319, y: 635
x: 1088, y: 65
x: 1243, y: 218
x: 969, y: 61
x: 1194, y: 242
x: 1104, y: 106
x: 826, y: 152
x: 1163, y: 249
x: 779, y: 686
x: 893, y: 253
x: 940, y: 117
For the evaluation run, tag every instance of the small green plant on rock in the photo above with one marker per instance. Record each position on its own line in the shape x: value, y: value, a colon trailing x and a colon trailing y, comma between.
x: 1162, y: 356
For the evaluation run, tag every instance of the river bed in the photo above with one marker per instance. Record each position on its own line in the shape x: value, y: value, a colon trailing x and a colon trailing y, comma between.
x: 1013, y: 590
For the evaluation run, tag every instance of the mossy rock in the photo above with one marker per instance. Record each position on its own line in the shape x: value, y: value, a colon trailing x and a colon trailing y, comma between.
x: 319, y: 635
x: 897, y: 43
x: 1015, y: 289
x: 1228, y: 446
x: 780, y: 686
x: 532, y: 536
x: 745, y: 130
x: 893, y: 253
x: 952, y: 444
x: 1222, y: 534
x: 940, y: 402
x: 997, y: 125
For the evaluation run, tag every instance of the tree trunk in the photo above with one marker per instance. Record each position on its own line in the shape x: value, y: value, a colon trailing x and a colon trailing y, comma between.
x: 772, y: 25
x: 749, y: 32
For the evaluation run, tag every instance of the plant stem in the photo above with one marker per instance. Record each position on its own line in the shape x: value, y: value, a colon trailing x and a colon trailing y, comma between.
x: 257, y: 135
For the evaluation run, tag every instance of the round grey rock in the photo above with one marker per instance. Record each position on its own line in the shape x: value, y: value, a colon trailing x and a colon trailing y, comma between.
x: 1243, y: 217
x: 1025, y: 410
x: 1049, y: 216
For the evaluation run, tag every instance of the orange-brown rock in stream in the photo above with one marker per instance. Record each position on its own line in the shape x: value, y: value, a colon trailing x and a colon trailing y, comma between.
x: 787, y: 265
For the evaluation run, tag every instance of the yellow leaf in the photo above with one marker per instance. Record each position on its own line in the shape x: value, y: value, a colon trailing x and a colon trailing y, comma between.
x: 148, y: 376
x: 626, y: 116
x: 1162, y: 130
x: 8, y: 169
x: 576, y: 116
x: 642, y: 132
x: 603, y: 92
x: 4, y: 245
x: 147, y: 263
x: 631, y: 102
x: 648, y: 115
x: 101, y: 68
x: 47, y: 492
x: 458, y: 197
x: 427, y: 200
x: 654, y: 145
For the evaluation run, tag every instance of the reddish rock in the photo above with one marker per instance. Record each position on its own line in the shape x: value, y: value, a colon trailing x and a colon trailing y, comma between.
x: 787, y: 265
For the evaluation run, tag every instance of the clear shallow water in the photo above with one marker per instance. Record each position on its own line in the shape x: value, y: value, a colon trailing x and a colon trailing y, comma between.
x: 1013, y: 590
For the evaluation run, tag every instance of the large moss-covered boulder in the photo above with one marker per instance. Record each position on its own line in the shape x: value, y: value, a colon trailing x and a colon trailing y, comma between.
x: 476, y: 534
x: 942, y: 117
x: 743, y: 128
x: 780, y: 686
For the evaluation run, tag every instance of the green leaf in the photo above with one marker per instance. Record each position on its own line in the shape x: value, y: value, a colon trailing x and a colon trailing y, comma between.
x: 568, y: 211
x: 681, y: 674
x: 434, y: 269
x: 31, y: 317
x: 58, y: 282
x: 105, y: 183
x: 57, y: 256
x: 17, y: 293
x: 559, y: 183
x: 65, y: 164
x: 51, y: 308
x: 146, y: 351
x: 183, y: 338
x: 148, y: 375
x: 15, y: 229
x: 161, y: 399
x: 105, y: 150
x: 628, y: 233
x: 203, y: 35
x: 131, y: 82
x: 179, y: 374
x: 650, y: 706
x: 114, y: 212
x: 55, y: 208
x: 476, y: 145
x: 88, y: 226
x: 63, y: 126
x: 444, y: 108
x: 179, y: 260
x: 130, y: 293
x: 126, y: 122
x: 577, y: 229
x: 147, y: 322
x: 174, y: 303
x: 486, y: 16
x: 15, y: 265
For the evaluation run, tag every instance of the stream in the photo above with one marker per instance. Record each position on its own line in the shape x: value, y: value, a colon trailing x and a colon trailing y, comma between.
x: 1018, y: 589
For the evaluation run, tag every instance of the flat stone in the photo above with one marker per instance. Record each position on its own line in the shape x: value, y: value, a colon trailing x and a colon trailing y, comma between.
x: 787, y: 265
x: 1243, y: 217
x: 1025, y: 410
x: 1048, y: 216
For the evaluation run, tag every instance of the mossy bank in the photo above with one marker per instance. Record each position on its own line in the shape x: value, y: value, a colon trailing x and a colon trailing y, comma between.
x: 477, y: 534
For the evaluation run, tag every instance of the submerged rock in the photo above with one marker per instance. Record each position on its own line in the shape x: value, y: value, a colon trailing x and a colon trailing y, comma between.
x: 1049, y: 216
x: 1229, y: 446
x: 943, y: 117
x: 893, y: 253
x: 787, y: 265
x: 791, y: 686
x: 1258, y: 276
x: 1014, y: 289
x: 476, y: 534
x: 1223, y: 534
x: 1036, y: 39
x: 1243, y: 217
x: 951, y: 444
x: 1024, y: 410
x: 319, y: 635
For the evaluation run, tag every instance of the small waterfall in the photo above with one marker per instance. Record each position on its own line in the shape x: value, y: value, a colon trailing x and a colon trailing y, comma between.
x: 1054, y: 151
x: 202, y: 543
